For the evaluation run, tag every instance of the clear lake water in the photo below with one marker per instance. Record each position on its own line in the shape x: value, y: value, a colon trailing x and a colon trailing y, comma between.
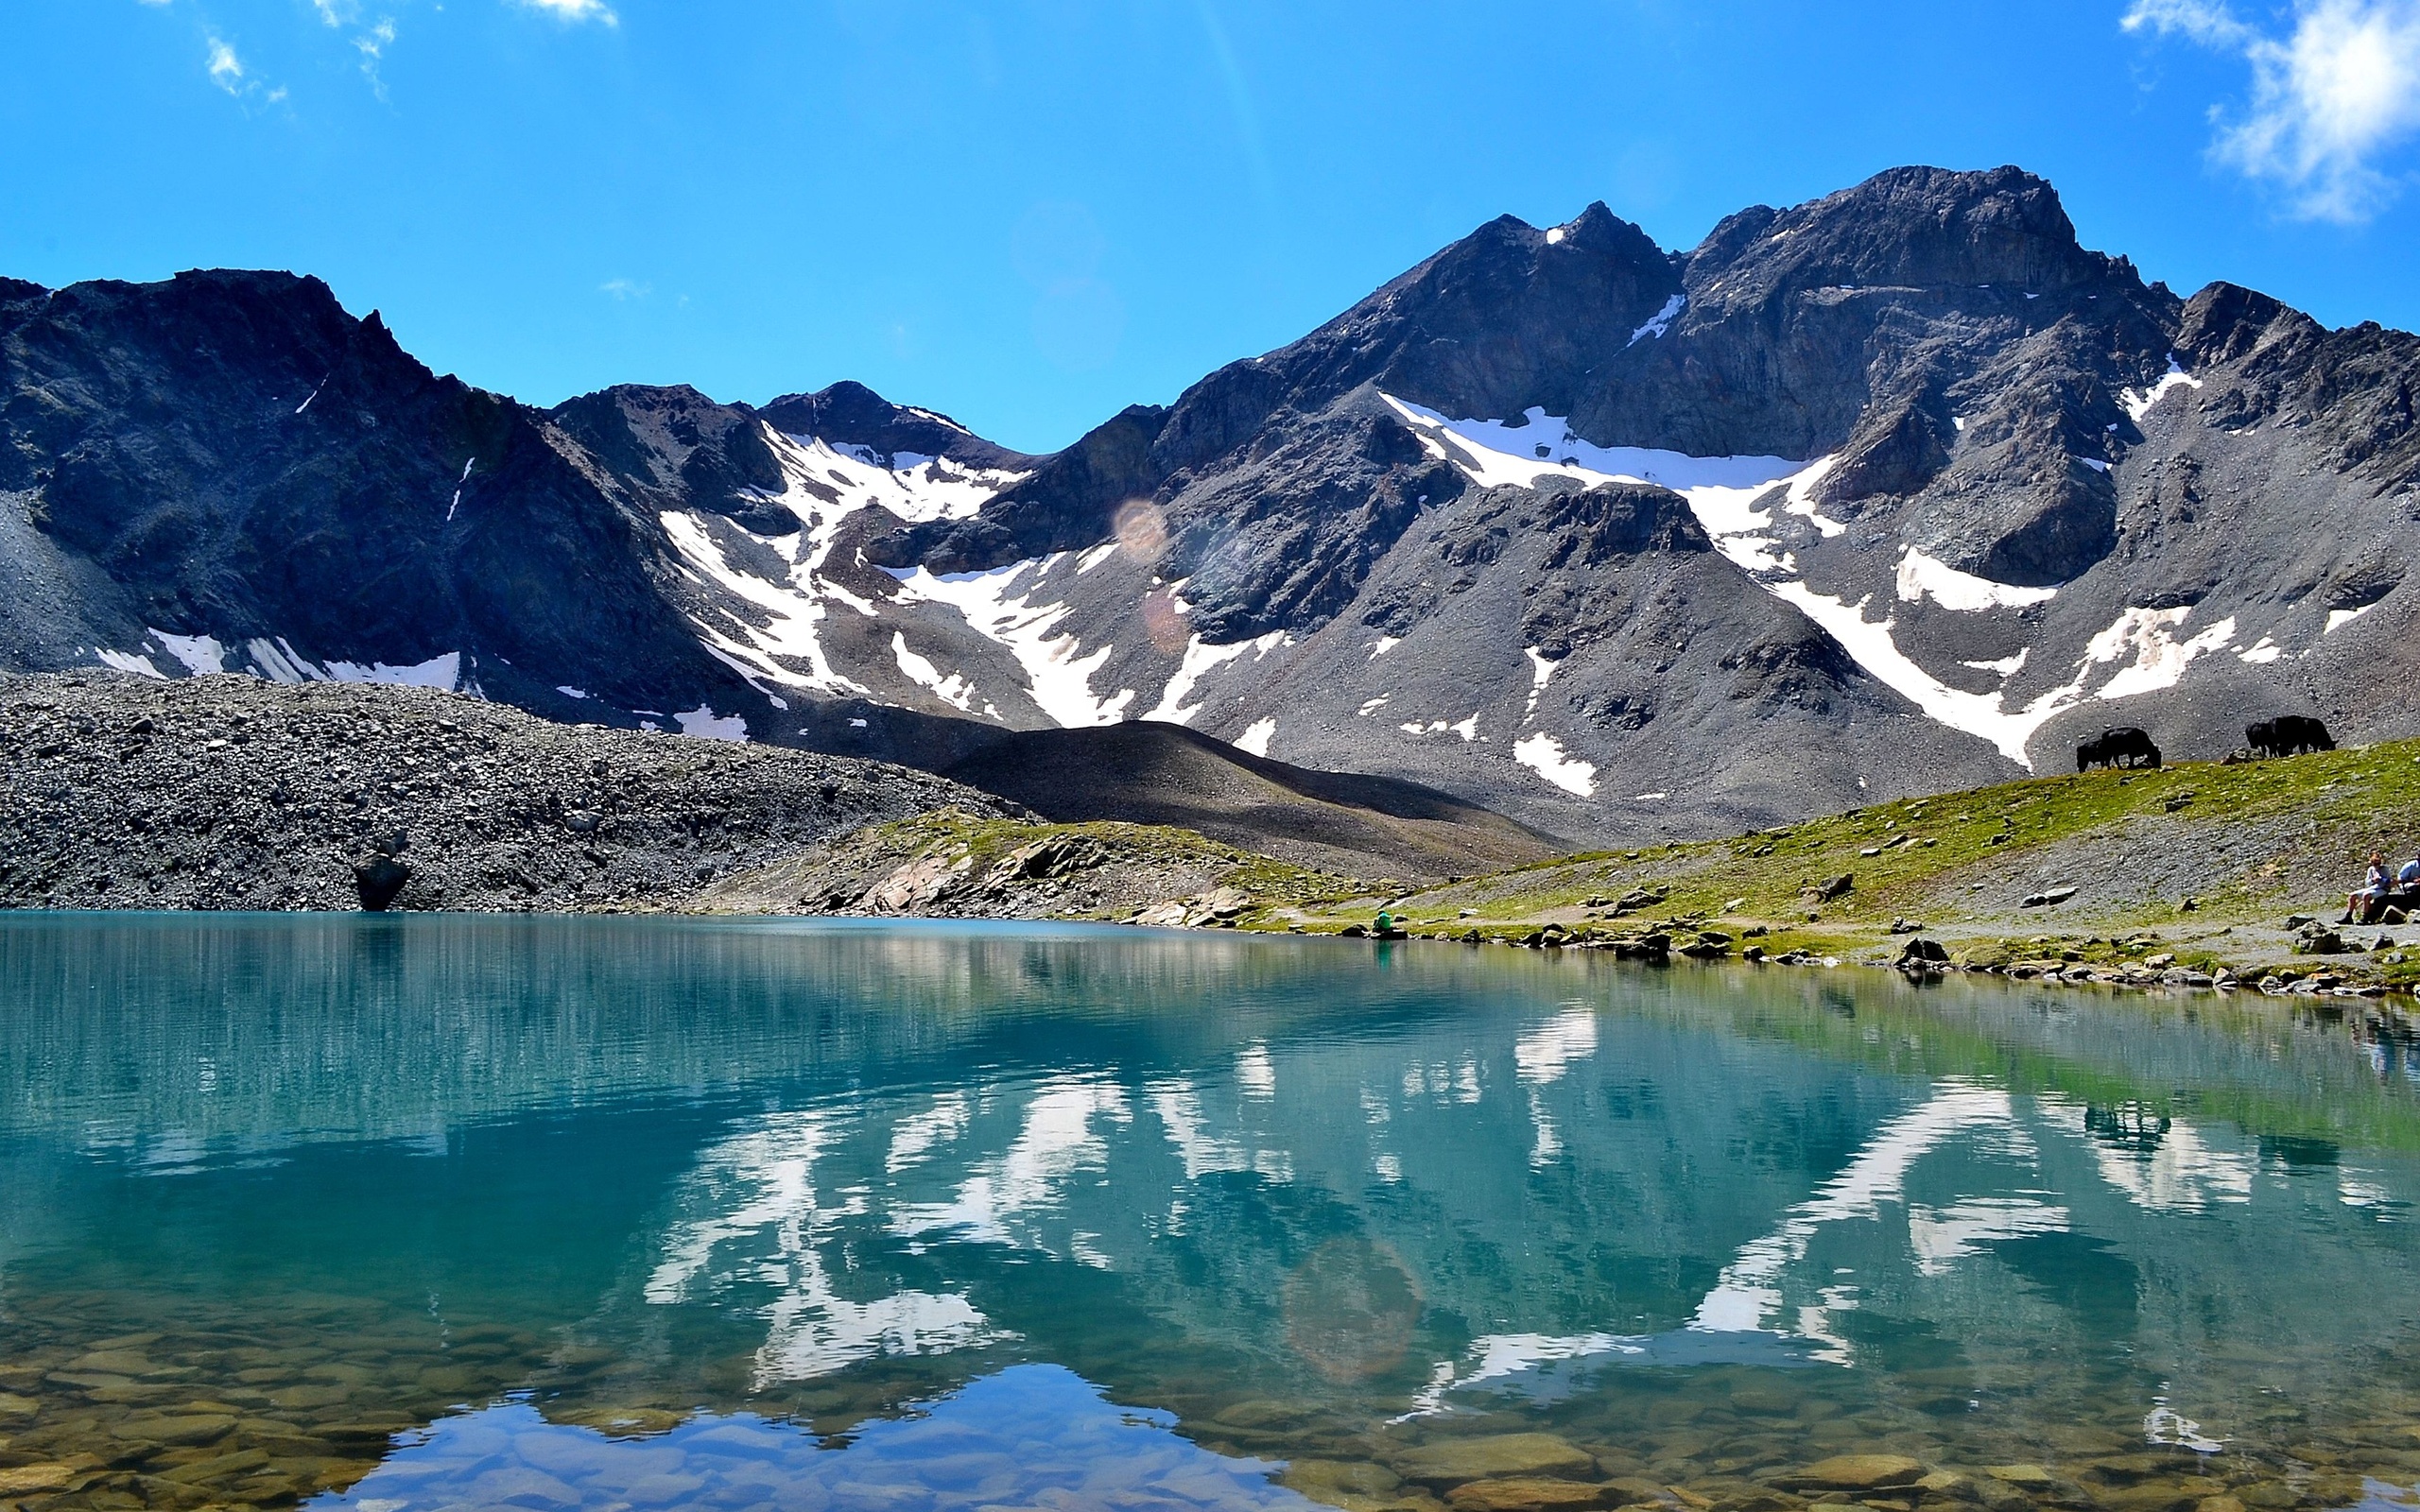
x: 405, y: 1214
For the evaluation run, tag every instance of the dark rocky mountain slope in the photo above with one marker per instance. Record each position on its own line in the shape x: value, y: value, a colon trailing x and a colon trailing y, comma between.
x: 1894, y: 492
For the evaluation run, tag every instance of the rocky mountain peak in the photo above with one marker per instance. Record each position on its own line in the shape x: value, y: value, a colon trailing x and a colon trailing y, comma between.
x: 2226, y: 321
x: 682, y: 448
x: 1906, y: 227
x: 851, y: 414
x: 1510, y: 315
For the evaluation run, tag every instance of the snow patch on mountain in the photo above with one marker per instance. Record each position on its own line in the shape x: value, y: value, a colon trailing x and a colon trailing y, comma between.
x: 443, y: 673
x: 131, y: 662
x: 1922, y: 577
x: 1734, y: 498
x: 1256, y: 736
x: 1871, y: 644
x: 1540, y: 671
x: 1543, y: 754
x: 996, y: 606
x: 787, y: 649
x: 1661, y: 320
x: 953, y: 690
x: 199, y: 654
x: 913, y: 487
x: 2159, y: 658
x: 2140, y: 402
x: 278, y: 662
x: 703, y: 723
x: 1542, y: 445
x: 1202, y: 659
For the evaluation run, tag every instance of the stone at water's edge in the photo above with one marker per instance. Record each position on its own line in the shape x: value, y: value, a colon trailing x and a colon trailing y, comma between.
x: 1523, y: 1494
x: 2019, y: 1474
x: 1341, y: 1477
x: 186, y: 1428
x: 1472, y: 1459
x: 1860, y: 1472
x: 33, y: 1480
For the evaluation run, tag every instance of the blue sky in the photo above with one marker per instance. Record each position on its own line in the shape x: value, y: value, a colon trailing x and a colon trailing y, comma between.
x: 1031, y: 213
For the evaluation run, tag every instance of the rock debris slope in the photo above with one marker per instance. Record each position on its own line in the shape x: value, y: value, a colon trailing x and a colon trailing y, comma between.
x: 1146, y: 772
x: 229, y: 792
x: 222, y: 793
x: 1894, y: 492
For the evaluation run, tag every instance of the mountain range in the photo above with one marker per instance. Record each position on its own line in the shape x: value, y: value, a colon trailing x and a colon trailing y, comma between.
x: 1896, y: 491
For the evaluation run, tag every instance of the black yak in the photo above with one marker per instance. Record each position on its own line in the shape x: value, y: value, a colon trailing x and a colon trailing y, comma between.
x: 2123, y: 746
x: 2288, y: 735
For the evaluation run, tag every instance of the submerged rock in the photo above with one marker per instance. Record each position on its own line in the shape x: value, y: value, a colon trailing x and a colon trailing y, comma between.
x: 1450, y: 1460
x: 1523, y: 1493
x: 1858, y: 1472
x: 37, y: 1480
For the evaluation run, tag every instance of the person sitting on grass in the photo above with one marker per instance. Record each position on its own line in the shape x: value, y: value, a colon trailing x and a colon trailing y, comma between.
x: 2373, y: 889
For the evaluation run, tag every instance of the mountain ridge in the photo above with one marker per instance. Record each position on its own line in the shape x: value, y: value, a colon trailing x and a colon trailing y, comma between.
x: 1888, y: 492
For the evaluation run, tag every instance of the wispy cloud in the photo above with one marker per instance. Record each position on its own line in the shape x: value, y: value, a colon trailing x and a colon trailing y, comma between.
x: 369, y: 39
x: 226, y: 69
x: 371, y: 44
x: 622, y: 288
x: 2329, y: 100
x: 574, y: 9
x: 368, y: 26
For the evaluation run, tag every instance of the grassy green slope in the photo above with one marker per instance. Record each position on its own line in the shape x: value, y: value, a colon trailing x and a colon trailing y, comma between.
x: 2245, y: 844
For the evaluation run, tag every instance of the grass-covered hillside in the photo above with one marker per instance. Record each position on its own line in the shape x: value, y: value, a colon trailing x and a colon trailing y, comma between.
x: 2204, y: 861
x: 2194, y: 866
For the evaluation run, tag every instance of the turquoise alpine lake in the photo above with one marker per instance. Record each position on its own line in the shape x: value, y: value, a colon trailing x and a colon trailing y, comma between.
x: 401, y: 1214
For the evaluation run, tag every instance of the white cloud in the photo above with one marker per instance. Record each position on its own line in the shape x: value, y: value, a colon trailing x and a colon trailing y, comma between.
x: 575, y: 9
x: 2328, y: 101
x: 226, y: 69
x: 622, y: 288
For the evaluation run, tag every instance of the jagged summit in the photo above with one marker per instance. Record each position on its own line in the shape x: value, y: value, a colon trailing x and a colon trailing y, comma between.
x: 1910, y: 228
x: 850, y: 413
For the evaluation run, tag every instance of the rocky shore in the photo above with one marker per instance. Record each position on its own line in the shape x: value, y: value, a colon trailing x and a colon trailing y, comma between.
x: 230, y: 793
x: 952, y: 863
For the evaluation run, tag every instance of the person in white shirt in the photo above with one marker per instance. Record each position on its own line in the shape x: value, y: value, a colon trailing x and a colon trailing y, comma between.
x: 2374, y: 886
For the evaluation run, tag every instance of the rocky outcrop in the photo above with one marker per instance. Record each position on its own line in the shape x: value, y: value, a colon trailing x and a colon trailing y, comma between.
x: 955, y: 864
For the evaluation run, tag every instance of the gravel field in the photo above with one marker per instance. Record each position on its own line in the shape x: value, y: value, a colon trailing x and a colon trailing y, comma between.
x: 230, y: 793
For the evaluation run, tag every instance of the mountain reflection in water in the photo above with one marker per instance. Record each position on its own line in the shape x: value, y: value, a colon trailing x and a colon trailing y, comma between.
x: 1033, y: 1435
x: 799, y: 1206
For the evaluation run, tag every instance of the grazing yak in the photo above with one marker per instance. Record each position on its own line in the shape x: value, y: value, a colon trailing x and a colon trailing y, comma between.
x: 2123, y: 746
x: 2288, y: 735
